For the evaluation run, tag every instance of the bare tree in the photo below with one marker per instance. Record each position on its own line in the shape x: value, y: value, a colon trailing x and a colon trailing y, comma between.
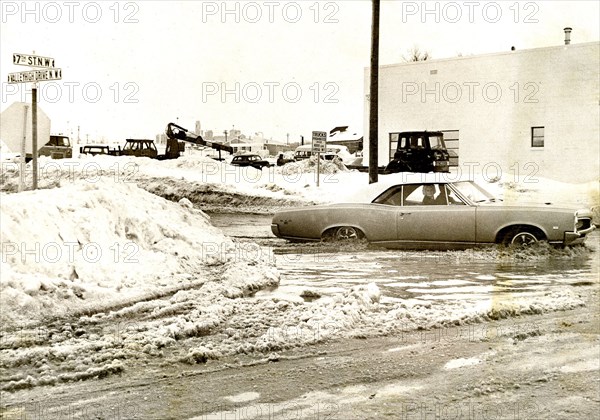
x: 415, y: 54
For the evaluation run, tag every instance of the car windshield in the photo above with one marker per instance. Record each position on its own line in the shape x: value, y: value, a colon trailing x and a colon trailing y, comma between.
x: 436, y: 142
x: 473, y: 192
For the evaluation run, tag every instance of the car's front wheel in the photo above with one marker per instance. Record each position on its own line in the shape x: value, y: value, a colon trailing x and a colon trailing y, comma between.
x: 522, y: 237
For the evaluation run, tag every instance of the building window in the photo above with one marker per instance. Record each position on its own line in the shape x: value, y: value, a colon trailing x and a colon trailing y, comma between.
x: 394, y: 138
x: 537, y: 136
x: 451, y: 139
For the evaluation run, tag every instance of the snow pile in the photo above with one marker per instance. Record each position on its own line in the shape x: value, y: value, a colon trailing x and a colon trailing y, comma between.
x: 297, y: 179
x: 91, y: 246
x: 310, y: 165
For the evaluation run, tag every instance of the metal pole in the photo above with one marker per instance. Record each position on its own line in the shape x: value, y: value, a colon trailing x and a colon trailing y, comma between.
x: 318, y: 167
x: 34, y: 144
x: 374, y: 97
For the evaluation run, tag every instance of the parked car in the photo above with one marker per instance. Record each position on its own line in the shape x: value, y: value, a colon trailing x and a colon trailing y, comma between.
x: 332, y: 150
x: 58, y: 147
x: 250, y: 160
x: 461, y: 214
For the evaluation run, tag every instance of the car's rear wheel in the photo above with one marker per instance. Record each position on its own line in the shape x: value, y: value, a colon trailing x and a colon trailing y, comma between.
x: 522, y: 237
x: 347, y: 233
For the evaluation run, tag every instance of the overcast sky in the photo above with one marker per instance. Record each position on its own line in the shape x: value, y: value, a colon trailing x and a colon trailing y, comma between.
x: 129, y: 68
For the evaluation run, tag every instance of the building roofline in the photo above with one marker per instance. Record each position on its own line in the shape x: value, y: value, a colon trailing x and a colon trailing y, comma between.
x: 475, y: 56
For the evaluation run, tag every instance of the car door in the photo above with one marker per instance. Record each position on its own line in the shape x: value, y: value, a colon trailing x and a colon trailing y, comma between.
x: 439, y: 222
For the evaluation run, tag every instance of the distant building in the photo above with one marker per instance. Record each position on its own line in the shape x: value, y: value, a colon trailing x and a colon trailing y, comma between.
x: 346, y: 136
x: 198, y: 129
x: 234, y: 135
x: 528, y: 112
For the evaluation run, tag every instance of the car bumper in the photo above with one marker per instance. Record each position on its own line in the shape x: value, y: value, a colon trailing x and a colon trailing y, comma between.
x: 275, y: 229
x: 575, y: 238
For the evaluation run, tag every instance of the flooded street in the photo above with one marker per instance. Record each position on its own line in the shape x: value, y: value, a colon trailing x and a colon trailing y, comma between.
x: 475, y: 274
x: 343, y: 331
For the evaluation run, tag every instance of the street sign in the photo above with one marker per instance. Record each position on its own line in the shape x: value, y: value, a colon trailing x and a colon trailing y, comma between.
x: 33, y: 60
x: 319, y: 141
x: 46, y: 71
x: 35, y: 76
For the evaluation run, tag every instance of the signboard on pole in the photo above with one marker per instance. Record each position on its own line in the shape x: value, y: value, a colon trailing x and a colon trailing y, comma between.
x: 35, y: 76
x: 319, y: 141
x: 319, y: 145
x: 45, y: 71
x: 33, y: 60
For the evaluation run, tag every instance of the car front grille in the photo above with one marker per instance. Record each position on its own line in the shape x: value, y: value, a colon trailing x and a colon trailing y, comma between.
x: 583, y: 224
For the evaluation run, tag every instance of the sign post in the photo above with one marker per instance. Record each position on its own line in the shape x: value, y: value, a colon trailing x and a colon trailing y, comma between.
x: 34, y: 76
x: 319, y: 145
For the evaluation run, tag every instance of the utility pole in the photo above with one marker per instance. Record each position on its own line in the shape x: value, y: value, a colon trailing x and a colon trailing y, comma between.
x: 374, y: 97
x: 34, y: 139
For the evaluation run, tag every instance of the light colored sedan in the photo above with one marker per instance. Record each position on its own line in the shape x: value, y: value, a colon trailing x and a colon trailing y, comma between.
x: 432, y: 213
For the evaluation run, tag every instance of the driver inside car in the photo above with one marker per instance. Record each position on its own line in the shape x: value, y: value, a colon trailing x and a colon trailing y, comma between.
x: 429, y: 194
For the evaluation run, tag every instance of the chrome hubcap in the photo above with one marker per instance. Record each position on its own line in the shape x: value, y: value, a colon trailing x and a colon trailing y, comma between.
x: 346, y: 233
x: 524, y: 239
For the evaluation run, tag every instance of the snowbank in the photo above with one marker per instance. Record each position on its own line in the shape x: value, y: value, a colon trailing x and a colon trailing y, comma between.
x: 278, y: 186
x: 87, y: 246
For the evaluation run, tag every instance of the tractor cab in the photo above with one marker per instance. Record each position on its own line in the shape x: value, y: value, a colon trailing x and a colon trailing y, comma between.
x: 419, y: 151
x: 140, y: 148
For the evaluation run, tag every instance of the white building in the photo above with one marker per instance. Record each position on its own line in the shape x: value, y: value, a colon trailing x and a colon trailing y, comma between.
x: 530, y: 112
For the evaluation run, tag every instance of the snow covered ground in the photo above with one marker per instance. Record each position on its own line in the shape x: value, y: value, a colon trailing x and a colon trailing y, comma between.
x: 95, y: 247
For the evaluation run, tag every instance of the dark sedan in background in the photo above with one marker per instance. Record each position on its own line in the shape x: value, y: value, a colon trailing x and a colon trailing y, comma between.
x: 250, y: 160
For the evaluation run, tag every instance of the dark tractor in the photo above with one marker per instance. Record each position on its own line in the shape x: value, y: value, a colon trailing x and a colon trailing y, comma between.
x: 419, y: 151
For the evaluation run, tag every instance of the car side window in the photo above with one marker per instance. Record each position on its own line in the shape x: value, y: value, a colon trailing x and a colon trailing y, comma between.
x: 391, y: 197
x: 413, y: 195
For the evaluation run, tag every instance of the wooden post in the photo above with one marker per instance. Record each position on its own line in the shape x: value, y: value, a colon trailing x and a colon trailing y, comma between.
x: 34, y: 143
x: 374, y: 97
